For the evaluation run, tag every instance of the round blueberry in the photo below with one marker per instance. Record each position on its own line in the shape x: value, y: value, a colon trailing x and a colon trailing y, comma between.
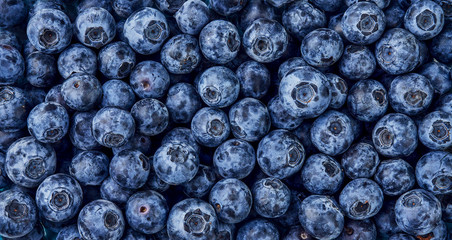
x: 258, y: 229
x: 18, y: 215
x: 367, y: 100
x: 90, y: 167
x: 434, y: 130
x: 181, y: 54
x: 101, y: 219
x: 364, y: 229
x: 395, y: 177
x: 282, y: 117
x: 181, y: 134
x: 80, y: 132
x: 41, y: 69
x: 249, y: 119
x: 117, y: 93
x: 151, y: 116
x: 227, y: 7
x: 112, y: 191
x: 234, y: 158
x: 130, y: 169
x: 149, y: 79
x: 254, y: 79
x: 439, y: 46
x: 14, y: 108
x: 13, y: 65
x: 357, y: 62
x: 77, y: 59
x: 338, y: 89
x: 68, y: 232
x: 81, y: 92
x: 95, y: 27
x: 433, y: 172
x: 360, y: 161
x: 192, y: 16
x: 218, y: 86
x: 182, y: 102
x: 116, y: 60
x: 438, y: 74
x: 301, y: 18
x: 146, y: 212
x: 201, y: 184
x: 271, y: 197
x: 424, y: 18
x: 113, y: 127
x: 12, y: 13
x: 48, y: 122
x: 210, y: 127
x: 219, y: 41
x: 322, y: 174
x: 322, y: 47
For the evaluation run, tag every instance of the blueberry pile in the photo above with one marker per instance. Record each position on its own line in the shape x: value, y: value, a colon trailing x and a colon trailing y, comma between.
x: 226, y: 119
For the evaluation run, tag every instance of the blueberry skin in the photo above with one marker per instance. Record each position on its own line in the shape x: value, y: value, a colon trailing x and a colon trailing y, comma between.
x: 124, y: 8
x: 363, y: 23
x: 176, y: 163
x: 116, y: 60
x: 271, y: 197
x: 81, y: 92
x: 231, y: 199
x: 14, y: 108
x: 445, y: 103
x: 146, y: 212
x: 28, y: 162
x: 80, y: 132
x: 259, y: 228
x: 95, y: 27
x: 424, y: 18
x: 201, y: 184
x: 117, y: 93
x: 181, y: 54
x: 131, y: 234
x: 250, y: 120
x: 339, y: 90
x: 227, y: 7
x: 401, y: 236
x: 254, y: 79
x: 210, y: 127
x: 192, y: 219
x: 19, y: 215
x: 225, y: 231
x: 41, y: 69
x: 322, y: 47
x: 151, y: 116
x: 235, y: 158
x: 155, y: 183
x: 394, y: 15
x: 182, y: 102
x: 253, y: 10
x: 305, y: 91
x: 280, y: 116
x: 360, y: 161
x: 280, y: 154
x: 90, y: 167
x: 397, y: 51
x: 130, y: 169
x: 368, y: 100
x: 7, y: 138
x: 385, y: 219
x: 12, y: 13
x: 149, y: 79
x: 328, y: 6
x: 219, y: 41
x: 146, y: 30
x: 68, y: 232
x: 192, y: 16
x: 410, y: 94
x: 112, y: 191
x: 218, y: 86
x: 438, y: 233
x: 298, y: 233
x: 181, y: 134
x: 113, y: 127
x: 433, y: 172
x: 395, y: 135
x: 332, y: 133
x: 434, y: 130
x: 289, y: 65
x: 97, y: 212
x: 395, y: 177
x: 380, y: 3
x: 13, y: 65
x: 48, y: 122
x: 301, y: 18
x: 438, y: 74
x: 321, y: 217
x: 357, y: 62
x: 322, y: 174
x: 8, y: 37
x: 77, y: 59
x: 4, y: 180
x: 417, y: 212
x: 364, y: 229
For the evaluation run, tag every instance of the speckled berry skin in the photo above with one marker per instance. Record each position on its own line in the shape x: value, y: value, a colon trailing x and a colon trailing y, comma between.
x: 290, y: 64
x: 112, y: 191
x: 395, y: 135
x: 395, y: 177
x: 218, y: 86
x: 364, y: 229
x: 417, y: 212
x: 234, y: 158
x: 250, y: 120
x: 271, y: 197
x: 300, y: 18
x: 339, y: 90
x: 116, y: 60
x: 113, y: 127
x: 130, y: 169
x: 227, y: 7
x: 146, y: 212
x: 138, y: 142
x: 48, y: 122
x: 146, y: 30
x: 280, y: 116
x: 68, y: 232
x: 219, y: 41
x: 13, y: 12
x: 425, y: 19
x: 296, y: 233
x: 181, y: 134
x: 210, y: 127
x: 254, y: 79
x: 280, y: 154
x: 19, y: 214
x: 181, y: 54
x: 322, y: 47
x: 14, y: 108
x: 433, y: 172
x: 97, y: 212
x: 201, y: 184
x: 151, y: 116
x: 321, y: 217
x: 322, y: 174
x: 8, y: 37
x: 40, y: 69
x: 149, y: 79
x: 13, y: 65
x: 4, y: 180
x: 80, y: 132
x: 225, y: 231
x: 116, y: 93
x: 90, y: 167
x: 28, y: 162
x: 401, y: 236
x: 367, y: 100
x: 182, y: 102
x: 255, y: 9
x: 385, y: 219
x: 192, y: 16
x: 95, y: 27
x: 438, y: 74
x: 360, y: 161
x: 260, y: 228
x: 81, y: 92
x: 59, y: 197
x: 434, y: 130
x: 357, y: 62
x: 77, y: 59
x: 439, y: 47
x: 445, y: 103
x: 49, y: 30
x: 192, y: 219
x: 124, y: 8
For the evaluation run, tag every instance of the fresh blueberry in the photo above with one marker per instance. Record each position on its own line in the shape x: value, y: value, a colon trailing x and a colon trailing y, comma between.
x: 250, y: 120
x: 124, y: 8
x: 8, y: 37
x: 181, y: 134
x: 438, y: 233
x: 338, y: 89
x: 395, y: 177
x: 182, y: 102
x: 95, y: 27
x: 181, y: 54
x: 254, y: 79
x: 301, y: 18
x: 155, y: 183
x: 289, y: 65
x: 48, y: 122
x: 116, y: 60
x: 258, y: 229
x: 322, y: 47
x: 81, y: 92
x: 227, y: 7
x: 19, y: 214
x: 151, y: 116
x: 445, y: 102
x: 278, y: 3
x: 149, y: 79
x: 14, y: 108
x: 226, y: 231
x: 146, y: 212
x: 138, y: 142
x: 12, y: 13
x: 68, y: 232
x: 219, y: 41
x: 117, y: 93
x: 77, y: 59
x: 434, y: 130
x: 322, y: 174
x: 254, y: 10
x: 130, y: 169
x: 4, y: 180
x: 394, y: 15
x: 13, y: 65
x: 169, y: 6
x: 210, y: 127
x: 401, y: 236
x: 234, y: 158
x: 433, y: 172
x: 357, y: 62
x: 385, y: 219
x: 112, y: 191
x: 297, y: 233
x: 271, y: 197
x: 368, y: 100
x: 280, y: 116
x: 218, y: 86
x: 201, y: 184
x: 80, y: 132
x: 41, y: 69
x: 192, y: 16
x: 360, y: 161
x: 364, y: 229
x: 90, y: 167
x: 438, y: 74
x: 424, y: 18
x: 131, y: 234
x: 113, y: 127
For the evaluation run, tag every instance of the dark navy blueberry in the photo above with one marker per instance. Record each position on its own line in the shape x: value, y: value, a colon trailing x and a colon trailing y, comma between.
x: 434, y: 172
x: 41, y: 69
x: 321, y: 217
x: 81, y: 92
x: 124, y: 8
x: 36, y: 95
x: 112, y: 191
x: 254, y: 79
x: 328, y: 6
x: 192, y: 16
x: 338, y: 89
x: 176, y: 163
x: 116, y: 60
x: 322, y: 47
x: 101, y: 219
x: 77, y: 59
x: 201, y: 184
x: 234, y: 158
x: 364, y: 229
x: 227, y: 7
x: 385, y: 219
x: 424, y: 19
x: 131, y: 234
x: 149, y: 79
x: 289, y: 65
x: 95, y: 27
x: 151, y: 116
x: 218, y: 86
x: 438, y: 233
x: 254, y: 10
x: 332, y: 133
x: 192, y: 219
x: 271, y: 197
x: 182, y: 102
x: 210, y: 127
x: 250, y: 119
x: 13, y: 65
x: 401, y: 236
x: 417, y: 212
x: 48, y: 122
x: 146, y: 212
x: 7, y: 138
x: 265, y: 40
x: 146, y: 30
x: 85, y: 4
x: 49, y: 4
x: 19, y: 214
x: 12, y: 13
x: 181, y: 134
x: 261, y: 229
x: 231, y: 199
x: 117, y: 93
x: 380, y: 3
x: 280, y: 154
x: 28, y: 162
x: 395, y: 177
x: 113, y: 127
x: 4, y: 180
x: 357, y: 62
x: 360, y: 161
x: 394, y: 15
x: 395, y: 135
x: 361, y: 198
x: 59, y: 197
x: 90, y: 167
x: 219, y: 41
x: 434, y: 130
x: 280, y: 116
x: 181, y: 54
x: 445, y: 102
x: 138, y: 142
x: 438, y: 74
x: 322, y: 174
x: 367, y: 100
x: 80, y: 133
x: 169, y: 6
x: 439, y: 47
x: 298, y: 233
x: 9, y: 38
x: 301, y: 18
x: 68, y: 232
x: 14, y: 108
x: 130, y: 169
x: 155, y: 183
x: 226, y: 231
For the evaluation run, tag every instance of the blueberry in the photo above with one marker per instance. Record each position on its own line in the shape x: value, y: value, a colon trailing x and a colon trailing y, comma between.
x: 301, y: 18
x: 124, y: 8
x: 201, y: 184
x: 434, y: 130
x: 181, y: 54
x: 439, y: 232
x: 258, y: 229
x: 113, y: 127
x: 182, y: 102
x: 322, y: 174
x: 48, y: 122
x: 49, y: 30
x: 116, y: 60
x: 95, y: 27
x: 401, y: 236
x: 131, y: 234
x: 45, y: 74
x: 438, y: 74
x: 227, y: 7
x: 155, y: 183
x: 361, y: 198
x: 357, y: 62
x: 271, y: 197
x: 146, y: 30
x: 8, y: 37
x: 433, y: 172
x: 137, y: 167
x: 151, y: 116
x: 322, y: 47
x: 395, y: 177
x: 394, y: 15
x: 68, y: 232
x: 181, y: 134
x: 234, y: 158
x: 254, y: 10
x: 297, y: 233
x: 19, y: 214
x: 280, y: 154
x: 368, y: 100
x: 417, y: 212
x: 4, y: 180
x: 360, y: 161
x: 364, y: 229
x: 290, y: 218
x: 6, y: 138
x: 385, y: 219
x: 380, y: 3
x: 192, y: 219
x: 169, y: 6
x: 12, y: 13
x: 81, y: 92
x: 149, y: 79
x: 13, y: 65
x: 445, y: 103
x: 90, y: 167
x: 138, y: 142
x: 77, y: 59
x: 219, y: 41
x: 14, y: 108
x: 112, y: 191
x: 250, y: 120
x: 210, y: 127
x: 80, y: 132
x: 321, y: 217
x: 424, y: 18
x: 338, y: 89
x: 192, y: 16
x: 218, y: 87
x: 146, y: 212
x: 280, y: 116
x: 101, y: 219
x: 254, y: 79
x: 395, y: 135
x: 278, y: 3
x: 225, y: 231
x: 117, y: 93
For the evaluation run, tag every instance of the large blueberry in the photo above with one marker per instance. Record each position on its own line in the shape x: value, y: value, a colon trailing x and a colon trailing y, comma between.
x: 146, y: 212
x: 219, y: 41
x: 151, y: 116
x: 113, y: 127
x: 322, y: 174
x: 395, y: 177
x: 210, y: 127
x: 181, y: 54
x: 434, y: 172
x: 19, y: 214
x: 48, y: 122
x: 234, y: 158
x: 130, y: 169
x: 249, y: 119
x: 367, y: 100
x: 101, y: 219
x: 95, y: 27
